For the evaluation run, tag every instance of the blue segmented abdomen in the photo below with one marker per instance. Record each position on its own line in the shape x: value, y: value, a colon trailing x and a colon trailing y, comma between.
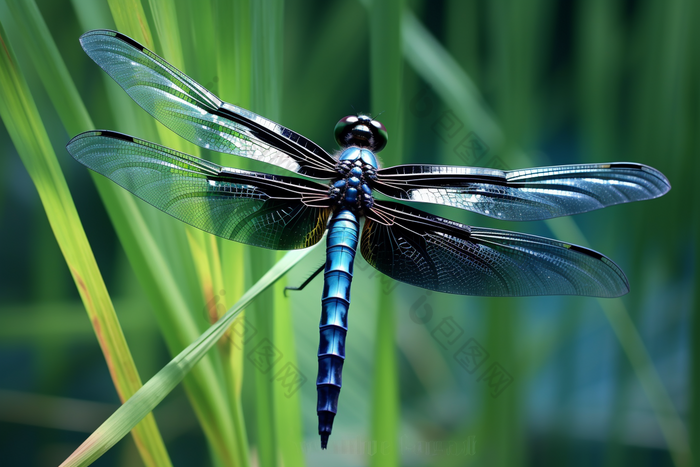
x: 340, y: 254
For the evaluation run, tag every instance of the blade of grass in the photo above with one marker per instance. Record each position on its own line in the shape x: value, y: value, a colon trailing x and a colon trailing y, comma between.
x: 143, y: 251
x: 130, y: 18
x: 287, y: 405
x: 150, y: 266
x: 234, y: 71
x: 268, y: 65
x: 462, y: 35
x: 203, y: 28
x: 599, y: 71
x: 343, y: 20
x: 212, y: 284
x: 266, y: 35
x: 165, y: 19
x: 209, y: 274
x: 435, y: 65
x: 27, y: 131
x: 155, y: 390
x: 233, y: 61
x: 386, y: 68
x: 50, y: 67
x: 211, y: 403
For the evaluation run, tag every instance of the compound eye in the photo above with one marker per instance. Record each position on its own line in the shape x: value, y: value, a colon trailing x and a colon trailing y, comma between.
x: 343, y: 128
x: 381, y: 136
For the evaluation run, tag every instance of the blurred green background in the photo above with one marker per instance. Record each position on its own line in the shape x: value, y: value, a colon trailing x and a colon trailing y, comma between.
x: 503, y: 83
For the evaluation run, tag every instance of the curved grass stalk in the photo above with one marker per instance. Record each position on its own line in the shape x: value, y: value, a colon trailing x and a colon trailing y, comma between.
x: 146, y: 256
x: 27, y: 131
x: 386, y: 88
x: 155, y: 390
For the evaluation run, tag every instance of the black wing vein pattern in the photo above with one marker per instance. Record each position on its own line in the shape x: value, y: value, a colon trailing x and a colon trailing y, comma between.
x: 269, y: 211
x: 526, y: 194
x: 427, y: 251
x: 194, y: 113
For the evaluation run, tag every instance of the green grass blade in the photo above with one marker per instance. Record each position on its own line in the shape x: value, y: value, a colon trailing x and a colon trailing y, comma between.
x: 50, y: 66
x: 209, y: 271
x: 148, y: 259
x: 287, y: 406
x: 431, y: 61
x: 165, y: 18
x: 234, y: 58
x: 234, y: 71
x: 267, y: 46
x: 209, y: 398
x: 155, y: 390
x: 386, y: 80
x: 130, y: 18
x: 27, y: 131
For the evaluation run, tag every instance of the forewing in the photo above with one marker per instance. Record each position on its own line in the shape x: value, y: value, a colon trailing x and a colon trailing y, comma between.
x: 527, y: 194
x: 281, y: 213
x: 194, y: 113
x: 434, y: 253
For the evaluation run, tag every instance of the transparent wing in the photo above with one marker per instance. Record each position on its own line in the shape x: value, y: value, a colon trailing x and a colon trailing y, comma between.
x: 527, y: 194
x: 196, y: 114
x: 281, y: 213
x: 437, y: 254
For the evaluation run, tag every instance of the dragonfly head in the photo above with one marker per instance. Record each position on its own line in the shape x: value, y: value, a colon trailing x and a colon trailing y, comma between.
x: 362, y: 131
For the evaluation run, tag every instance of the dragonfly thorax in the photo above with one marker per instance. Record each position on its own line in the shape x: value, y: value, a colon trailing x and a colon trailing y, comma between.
x: 357, y: 168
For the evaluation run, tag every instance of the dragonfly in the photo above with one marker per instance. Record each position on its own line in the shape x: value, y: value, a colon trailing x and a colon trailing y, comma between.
x: 335, y: 192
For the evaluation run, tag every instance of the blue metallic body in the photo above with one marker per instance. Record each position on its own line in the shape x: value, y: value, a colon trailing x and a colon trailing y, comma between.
x: 343, y: 233
x: 341, y: 245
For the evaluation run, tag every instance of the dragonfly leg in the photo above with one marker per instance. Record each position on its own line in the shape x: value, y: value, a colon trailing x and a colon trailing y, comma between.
x: 306, y: 282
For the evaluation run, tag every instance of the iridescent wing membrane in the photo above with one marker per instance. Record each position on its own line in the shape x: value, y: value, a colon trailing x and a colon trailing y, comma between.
x: 526, y: 194
x: 281, y: 213
x: 194, y: 113
x: 412, y: 246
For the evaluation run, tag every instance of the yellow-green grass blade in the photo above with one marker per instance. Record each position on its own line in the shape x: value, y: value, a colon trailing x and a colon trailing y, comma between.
x: 208, y: 266
x: 232, y: 363
x: 263, y: 313
x: 165, y: 18
x: 143, y: 251
x: 203, y: 28
x: 204, y: 247
x: 232, y: 19
x: 206, y: 260
x: 147, y: 257
x: 286, y: 401
x: 386, y: 61
x: 155, y: 390
x: 209, y: 271
x: 51, y: 69
x: 22, y: 120
x: 130, y: 18
x: 233, y: 59
x: 209, y: 398
x: 438, y: 68
x: 212, y: 280
x: 277, y: 420
x: 233, y: 65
